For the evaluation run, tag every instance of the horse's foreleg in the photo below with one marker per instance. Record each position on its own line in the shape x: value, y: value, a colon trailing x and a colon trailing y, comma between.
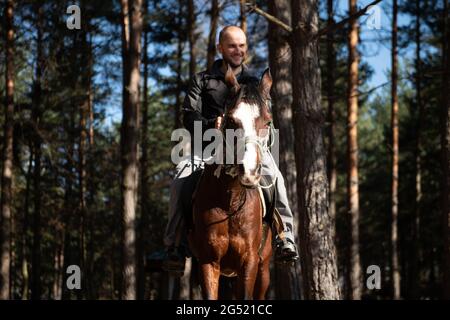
x: 263, y: 277
x: 247, y: 277
x: 209, y: 278
x: 262, y: 281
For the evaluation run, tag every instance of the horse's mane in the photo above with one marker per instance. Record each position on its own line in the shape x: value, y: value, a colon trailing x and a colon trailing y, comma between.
x: 249, y: 93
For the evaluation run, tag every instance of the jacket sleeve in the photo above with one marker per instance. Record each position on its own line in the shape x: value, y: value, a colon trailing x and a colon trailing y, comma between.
x: 192, y: 107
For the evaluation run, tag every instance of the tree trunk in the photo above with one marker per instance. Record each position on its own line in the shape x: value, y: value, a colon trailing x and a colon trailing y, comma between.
x: 7, y: 171
x: 445, y: 149
x: 331, y: 69
x: 212, y: 33
x: 352, y: 157
x: 319, y: 265
x: 83, y: 114
x: 243, y: 16
x: 36, y: 115
x: 180, y: 45
x: 90, y: 188
x: 414, y: 273
x: 395, y: 273
x: 24, y: 245
x: 145, y: 213
x: 129, y: 142
x: 192, y: 39
x: 280, y: 68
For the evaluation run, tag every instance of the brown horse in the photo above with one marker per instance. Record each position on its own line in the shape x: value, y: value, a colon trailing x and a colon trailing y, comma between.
x: 229, y: 236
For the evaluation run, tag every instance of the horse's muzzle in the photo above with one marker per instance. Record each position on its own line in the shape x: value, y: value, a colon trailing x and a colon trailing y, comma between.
x: 250, y: 179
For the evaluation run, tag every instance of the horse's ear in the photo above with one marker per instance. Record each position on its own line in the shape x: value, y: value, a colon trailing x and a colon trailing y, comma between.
x: 265, y: 84
x: 231, y: 81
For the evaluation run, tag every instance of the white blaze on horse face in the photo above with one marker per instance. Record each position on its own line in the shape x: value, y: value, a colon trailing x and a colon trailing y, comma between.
x: 247, y: 114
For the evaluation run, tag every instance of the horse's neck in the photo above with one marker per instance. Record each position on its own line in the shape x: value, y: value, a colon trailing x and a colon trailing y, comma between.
x: 224, y: 182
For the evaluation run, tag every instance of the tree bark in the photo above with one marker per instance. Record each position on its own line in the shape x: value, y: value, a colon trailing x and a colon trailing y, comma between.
x: 212, y: 33
x: 82, y: 142
x: 319, y: 264
x: 243, y: 16
x: 145, y: 213
x: 280, y: 67
x: 36, y: 115
x: 180, y: 45
x: 352, y: 157
x: 331, y: 69
x: 129, y: 141
x: 395, y: 273
x: 414, y: 273
x: 192, y: 39
x: 24, y: 244
x: 445, y: 149
x: 69, y: 196
x: 7, y: 170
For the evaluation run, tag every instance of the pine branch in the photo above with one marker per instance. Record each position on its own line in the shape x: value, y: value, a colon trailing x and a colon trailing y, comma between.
x: 340, y: 24
x: 328, y: 29
x: 271, y: 18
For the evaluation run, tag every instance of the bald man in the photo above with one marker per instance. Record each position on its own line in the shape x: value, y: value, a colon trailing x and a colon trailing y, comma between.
x: 205, y: 102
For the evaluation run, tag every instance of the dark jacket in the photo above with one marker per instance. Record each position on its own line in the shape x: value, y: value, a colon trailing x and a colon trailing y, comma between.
x: 206, y: 96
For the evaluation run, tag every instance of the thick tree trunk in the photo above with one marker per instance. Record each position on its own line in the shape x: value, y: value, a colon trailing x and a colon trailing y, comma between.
x: 352, y: 157
x: 395, y: 272
x: 445, y: 149
x: 129, y: 142
x: 319, y: 265
x: 36, y: 115
x: 7, y: 170
x: 145, y: 208
x: 280, y: 68
x: 212, y: 33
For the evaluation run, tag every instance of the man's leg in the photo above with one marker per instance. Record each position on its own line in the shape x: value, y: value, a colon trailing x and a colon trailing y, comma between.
x: 176, y: 221
x: 285, y: 246
x: 175, y: 229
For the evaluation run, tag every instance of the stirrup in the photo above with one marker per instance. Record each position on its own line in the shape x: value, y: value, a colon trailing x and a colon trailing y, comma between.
x: 285, y: 251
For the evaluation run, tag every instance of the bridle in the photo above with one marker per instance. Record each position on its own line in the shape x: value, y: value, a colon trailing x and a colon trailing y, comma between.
x: 261, y: 144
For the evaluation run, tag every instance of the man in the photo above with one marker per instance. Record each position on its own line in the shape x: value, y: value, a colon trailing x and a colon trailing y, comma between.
x: 205, y: 102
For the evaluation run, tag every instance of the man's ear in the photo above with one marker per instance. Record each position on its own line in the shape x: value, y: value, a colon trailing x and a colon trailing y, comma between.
x: 231, y: 81
x: 265, y: 84
x: 219, y: 48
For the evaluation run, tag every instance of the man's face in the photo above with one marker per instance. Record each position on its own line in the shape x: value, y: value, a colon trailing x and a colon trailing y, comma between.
x: 234, y: 47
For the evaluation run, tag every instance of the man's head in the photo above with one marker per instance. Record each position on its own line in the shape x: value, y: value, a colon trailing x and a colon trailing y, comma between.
x: 233, y: 45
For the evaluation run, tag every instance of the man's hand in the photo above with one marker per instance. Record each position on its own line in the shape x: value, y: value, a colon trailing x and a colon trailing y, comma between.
x: 218, y: 122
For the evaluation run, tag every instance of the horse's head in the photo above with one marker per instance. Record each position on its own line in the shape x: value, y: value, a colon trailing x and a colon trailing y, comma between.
x: 248, y: 111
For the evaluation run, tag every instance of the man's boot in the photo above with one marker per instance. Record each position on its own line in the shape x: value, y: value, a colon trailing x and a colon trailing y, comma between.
x: 285, y: 251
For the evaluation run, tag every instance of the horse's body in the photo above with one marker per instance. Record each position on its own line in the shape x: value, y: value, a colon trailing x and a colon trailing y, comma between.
x: 228, y: 236
x: 231, y: 242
